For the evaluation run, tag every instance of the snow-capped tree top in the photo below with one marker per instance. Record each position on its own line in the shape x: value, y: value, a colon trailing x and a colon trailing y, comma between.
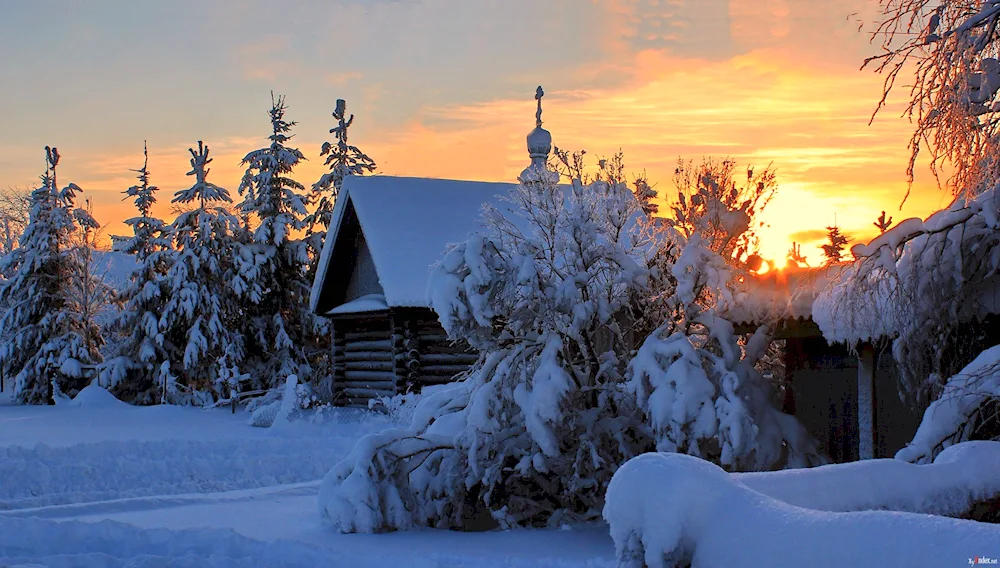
x: 343, y: 158
x: 143, y: 193
x: 202, y: 190
x: 268, y: 191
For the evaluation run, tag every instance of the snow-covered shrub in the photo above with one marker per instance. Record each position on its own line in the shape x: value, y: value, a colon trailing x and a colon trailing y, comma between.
x: 714, y: 406
x: 696, y: 384
x: 534, y: 432
x: 263, y: 415
x: 549, y: 293
x: 672, y: 510
x: 967, y: 407
x: 556, y: 293
x: 398, y: 408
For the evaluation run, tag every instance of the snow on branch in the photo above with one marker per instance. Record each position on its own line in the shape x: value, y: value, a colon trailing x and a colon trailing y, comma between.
x: 965, y: 404
x: 925, y: 283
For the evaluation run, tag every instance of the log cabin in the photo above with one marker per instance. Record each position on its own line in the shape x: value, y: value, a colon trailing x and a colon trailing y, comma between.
x: 386, y: 234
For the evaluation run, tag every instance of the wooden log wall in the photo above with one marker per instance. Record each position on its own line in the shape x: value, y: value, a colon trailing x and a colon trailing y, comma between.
x: 440, y: 358
x: 365, y: 354
x: 406, y: 353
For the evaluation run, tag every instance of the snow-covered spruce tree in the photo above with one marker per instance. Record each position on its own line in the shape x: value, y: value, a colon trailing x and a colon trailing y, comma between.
x: 47, y: 339
x: 138, y: 368
x: 343, y: 159
x: 538, y: 426
x: 202, y: 313
x: 283, y: 337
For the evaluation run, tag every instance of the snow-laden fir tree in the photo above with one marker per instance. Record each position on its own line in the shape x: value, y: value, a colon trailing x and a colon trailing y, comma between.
x: 48, y: 339
x: 343, y: 159
x: 138, y: 367
x: 202, y: 315
x: 283, y: 336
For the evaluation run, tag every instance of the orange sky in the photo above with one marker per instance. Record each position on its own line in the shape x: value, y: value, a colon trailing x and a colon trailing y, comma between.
x: 773, y: 81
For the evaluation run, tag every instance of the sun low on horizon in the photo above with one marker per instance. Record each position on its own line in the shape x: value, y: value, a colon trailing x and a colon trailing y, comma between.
x: 443, y: 88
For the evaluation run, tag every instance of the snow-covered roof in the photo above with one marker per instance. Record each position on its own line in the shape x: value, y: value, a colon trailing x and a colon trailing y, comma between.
x: 407, y: 223
x: 367, y: 303
x: 780, y: 294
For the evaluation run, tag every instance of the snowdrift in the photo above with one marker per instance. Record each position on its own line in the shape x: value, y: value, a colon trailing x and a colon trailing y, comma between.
x: 669, y: 510
x: 95, y: 396
x: 960, y: 477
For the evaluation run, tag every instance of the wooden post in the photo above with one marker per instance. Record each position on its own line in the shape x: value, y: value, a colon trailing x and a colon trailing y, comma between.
x: 867, y: 402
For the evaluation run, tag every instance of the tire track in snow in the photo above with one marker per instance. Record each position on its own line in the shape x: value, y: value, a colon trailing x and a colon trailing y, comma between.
x: 152, y: 502
x: 42, y: 476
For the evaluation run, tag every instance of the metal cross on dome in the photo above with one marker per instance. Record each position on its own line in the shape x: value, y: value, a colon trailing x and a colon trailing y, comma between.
x: 539, y: 93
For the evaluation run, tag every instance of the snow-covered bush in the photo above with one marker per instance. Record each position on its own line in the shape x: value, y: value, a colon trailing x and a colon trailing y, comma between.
x: 968, y: 409
x: 549, y: 293
x: 715, y: 406
x: 672, y: 510
x: 534, y: 432
x: 399, y: 408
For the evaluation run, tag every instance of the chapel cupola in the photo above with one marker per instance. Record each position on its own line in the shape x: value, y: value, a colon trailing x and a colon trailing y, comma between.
x: 539, y: 146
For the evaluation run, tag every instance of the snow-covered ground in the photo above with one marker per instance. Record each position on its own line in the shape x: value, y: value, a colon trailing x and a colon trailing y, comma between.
x: 107, y: 484
x: 104, y: 484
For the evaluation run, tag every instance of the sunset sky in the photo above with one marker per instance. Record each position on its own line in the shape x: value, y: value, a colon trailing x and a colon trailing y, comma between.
x: 444, y: 88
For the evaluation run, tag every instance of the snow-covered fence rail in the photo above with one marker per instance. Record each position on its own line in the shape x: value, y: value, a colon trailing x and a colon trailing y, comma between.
x: 667, y: 510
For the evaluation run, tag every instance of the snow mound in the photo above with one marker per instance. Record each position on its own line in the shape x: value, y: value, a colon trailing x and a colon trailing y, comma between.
x: 960, y: 477
x: 949, y: 419
x: 95, y: 396
x: 669, y: 510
